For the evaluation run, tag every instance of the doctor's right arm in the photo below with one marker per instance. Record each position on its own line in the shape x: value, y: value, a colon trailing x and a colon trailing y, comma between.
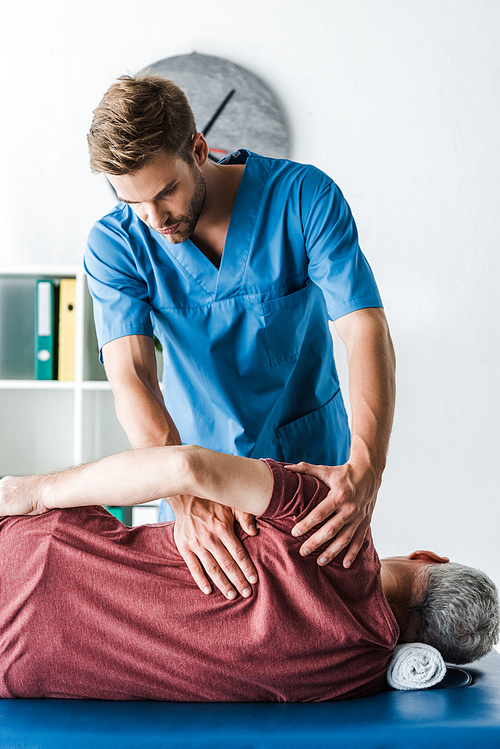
x: 130, y: 364
x: 204, y: 530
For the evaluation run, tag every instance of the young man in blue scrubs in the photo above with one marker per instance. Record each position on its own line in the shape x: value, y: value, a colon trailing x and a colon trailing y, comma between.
x: 236, y: 267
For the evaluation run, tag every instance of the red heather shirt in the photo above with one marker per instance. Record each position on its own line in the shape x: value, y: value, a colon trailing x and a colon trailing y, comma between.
x: 92, y: 609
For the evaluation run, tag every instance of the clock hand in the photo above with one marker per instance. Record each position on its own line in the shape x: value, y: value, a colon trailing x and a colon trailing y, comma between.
x: 218, y: 111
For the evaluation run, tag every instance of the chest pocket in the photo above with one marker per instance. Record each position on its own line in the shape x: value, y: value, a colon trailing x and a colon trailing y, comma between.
x: 286, y: 320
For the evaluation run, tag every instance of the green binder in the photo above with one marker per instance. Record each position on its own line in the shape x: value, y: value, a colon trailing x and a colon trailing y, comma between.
x: 45, y: 333
x: 122, y: 513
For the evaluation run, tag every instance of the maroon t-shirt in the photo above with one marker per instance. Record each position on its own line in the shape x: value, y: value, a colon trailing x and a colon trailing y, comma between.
x: 90, y: 608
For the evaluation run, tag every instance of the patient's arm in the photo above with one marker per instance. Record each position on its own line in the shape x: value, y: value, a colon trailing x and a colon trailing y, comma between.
x: 141, y: 475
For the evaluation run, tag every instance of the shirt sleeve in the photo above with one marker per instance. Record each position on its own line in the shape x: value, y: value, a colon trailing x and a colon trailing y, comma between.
x: 294, y: 495
x: 336, y: 262
x: 120, y: 295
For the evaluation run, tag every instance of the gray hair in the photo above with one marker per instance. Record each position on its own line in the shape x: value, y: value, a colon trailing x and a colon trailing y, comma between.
x: 459, y: 614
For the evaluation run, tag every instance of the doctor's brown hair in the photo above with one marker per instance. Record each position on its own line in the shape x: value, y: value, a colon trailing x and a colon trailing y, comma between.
x: 137, y: 117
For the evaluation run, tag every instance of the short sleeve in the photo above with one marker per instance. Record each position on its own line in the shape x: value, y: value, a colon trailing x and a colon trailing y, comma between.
x: 294, y: 495
x: 120, y: 295
x: 336, y: 262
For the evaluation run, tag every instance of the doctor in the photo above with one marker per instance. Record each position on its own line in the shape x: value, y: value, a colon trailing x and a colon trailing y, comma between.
x: 236, y: 267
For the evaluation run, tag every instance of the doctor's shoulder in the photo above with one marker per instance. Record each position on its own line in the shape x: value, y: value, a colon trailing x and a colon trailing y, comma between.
x: 119, y: 233
x: 303, y: 180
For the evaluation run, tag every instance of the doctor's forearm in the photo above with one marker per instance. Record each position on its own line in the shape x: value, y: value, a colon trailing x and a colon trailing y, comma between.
x: 372, y: 389
x: 143, y: 416
x: 131, y: 368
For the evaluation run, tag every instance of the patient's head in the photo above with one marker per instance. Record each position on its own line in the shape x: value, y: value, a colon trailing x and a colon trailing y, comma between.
x: 458, y: 614
x: 450, y: 606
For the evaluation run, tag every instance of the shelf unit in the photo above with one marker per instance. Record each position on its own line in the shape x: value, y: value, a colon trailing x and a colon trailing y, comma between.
x: 49, y: 425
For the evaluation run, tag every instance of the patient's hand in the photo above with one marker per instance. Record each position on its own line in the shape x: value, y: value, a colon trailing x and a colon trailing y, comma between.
x: 205, y: 537
x: 21, y: 495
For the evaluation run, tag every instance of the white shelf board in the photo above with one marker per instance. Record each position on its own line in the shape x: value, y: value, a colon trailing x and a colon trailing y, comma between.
x: 36, y: 385
x: 53, y: 385
x: 57, y: 269
x: 96, y: 385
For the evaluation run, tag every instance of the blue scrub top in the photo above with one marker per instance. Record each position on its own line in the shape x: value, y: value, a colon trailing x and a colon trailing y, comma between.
x: 247, y: 351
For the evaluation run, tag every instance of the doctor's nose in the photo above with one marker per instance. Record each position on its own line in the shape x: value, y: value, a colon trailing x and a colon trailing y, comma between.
x: 155, y: 217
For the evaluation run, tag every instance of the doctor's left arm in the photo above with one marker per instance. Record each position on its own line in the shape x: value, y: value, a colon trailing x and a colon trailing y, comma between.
x: 345, y: 513
x: 339, y: 268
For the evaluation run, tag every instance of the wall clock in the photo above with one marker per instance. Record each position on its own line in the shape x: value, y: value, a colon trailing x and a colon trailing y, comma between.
x: 233, y: 108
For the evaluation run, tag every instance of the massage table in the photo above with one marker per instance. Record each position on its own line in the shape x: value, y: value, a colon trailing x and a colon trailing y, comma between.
x: 450, y: 716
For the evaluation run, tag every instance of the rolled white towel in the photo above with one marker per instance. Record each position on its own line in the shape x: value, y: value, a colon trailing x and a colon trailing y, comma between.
x: 415, y: 666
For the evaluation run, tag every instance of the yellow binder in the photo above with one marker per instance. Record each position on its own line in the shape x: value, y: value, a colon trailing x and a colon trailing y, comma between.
x: 67, y: 329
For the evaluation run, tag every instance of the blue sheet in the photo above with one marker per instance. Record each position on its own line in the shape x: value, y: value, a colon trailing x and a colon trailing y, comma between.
x: 439, y: 718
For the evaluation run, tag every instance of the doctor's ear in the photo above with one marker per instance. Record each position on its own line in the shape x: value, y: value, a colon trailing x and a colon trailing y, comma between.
x: 428, y: 556
x: 200, y: 149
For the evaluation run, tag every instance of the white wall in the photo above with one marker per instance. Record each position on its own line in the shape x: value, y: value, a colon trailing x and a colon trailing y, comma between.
x: 397, y: 100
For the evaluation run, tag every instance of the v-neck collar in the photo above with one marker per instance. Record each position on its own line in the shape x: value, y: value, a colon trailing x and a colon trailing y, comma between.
x: 227, y: 280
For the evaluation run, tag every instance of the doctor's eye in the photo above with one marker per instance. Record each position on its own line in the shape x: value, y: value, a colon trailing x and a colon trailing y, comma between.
x: 167, y: 192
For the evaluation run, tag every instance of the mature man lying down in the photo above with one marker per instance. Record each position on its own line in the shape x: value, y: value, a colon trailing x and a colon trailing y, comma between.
x: 90, y: 608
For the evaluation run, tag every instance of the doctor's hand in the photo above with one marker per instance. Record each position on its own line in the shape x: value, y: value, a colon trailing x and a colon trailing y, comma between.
x: 345, y: 513
x: 205, y: 537
x: 21, y: 495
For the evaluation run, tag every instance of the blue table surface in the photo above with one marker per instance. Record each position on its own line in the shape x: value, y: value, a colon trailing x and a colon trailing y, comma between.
x: 459, y: 718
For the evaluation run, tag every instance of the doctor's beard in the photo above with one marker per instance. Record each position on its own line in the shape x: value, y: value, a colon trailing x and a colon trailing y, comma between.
x: 189, y: 221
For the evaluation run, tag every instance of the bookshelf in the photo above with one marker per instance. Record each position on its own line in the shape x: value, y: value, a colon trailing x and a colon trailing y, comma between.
x: 47, y: 425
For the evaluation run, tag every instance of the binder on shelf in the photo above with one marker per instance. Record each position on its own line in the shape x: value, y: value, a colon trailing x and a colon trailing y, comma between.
x: 45, y: 333
x: 67, y: 329
x: 124, y: 514
x: 17, y: 328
